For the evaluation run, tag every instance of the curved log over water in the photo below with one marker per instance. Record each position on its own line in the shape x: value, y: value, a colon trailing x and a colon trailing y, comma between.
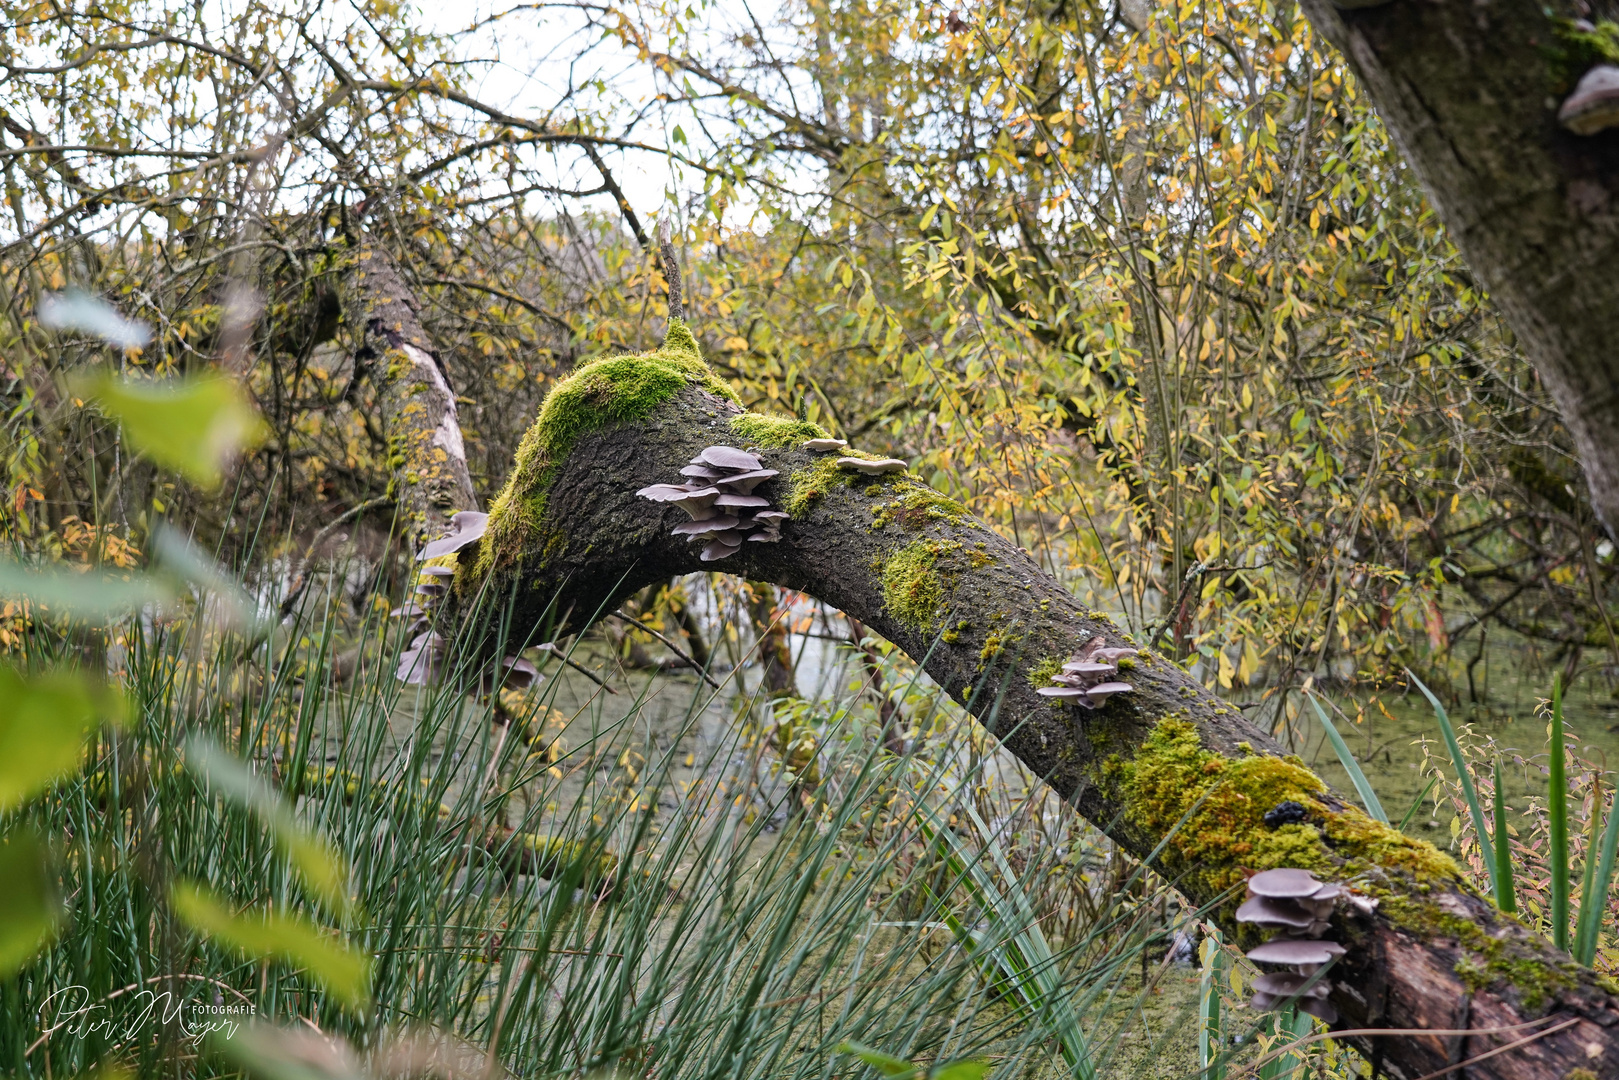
x: 1425, y: 951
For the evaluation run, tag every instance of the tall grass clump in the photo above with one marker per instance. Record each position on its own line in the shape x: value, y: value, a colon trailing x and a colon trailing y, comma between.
x: 552, y: 883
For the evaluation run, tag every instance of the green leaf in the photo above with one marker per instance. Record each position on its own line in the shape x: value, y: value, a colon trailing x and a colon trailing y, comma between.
x: 1503, y: 848
x: 193, y: 425
x: 31, y: 909
x: 44, y: 722
x: 89, y: 595
x: 1593, y: 901
x: 1557, y: 812
x: 278, y: 935
x: 966, y: 1069
x: 1368, y: 797
x: 317, y: 862
x: 887, y: 1064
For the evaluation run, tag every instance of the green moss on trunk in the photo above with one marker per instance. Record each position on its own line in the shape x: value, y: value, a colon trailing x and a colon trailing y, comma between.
x: 615, y: 390
x: 775, y: 432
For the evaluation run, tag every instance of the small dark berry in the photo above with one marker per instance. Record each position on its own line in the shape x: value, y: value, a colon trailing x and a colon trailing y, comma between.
x: 1284, y: 813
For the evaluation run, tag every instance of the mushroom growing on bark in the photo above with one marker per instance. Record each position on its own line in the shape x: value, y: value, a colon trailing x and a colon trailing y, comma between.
x: 873, y: 468
x: 1298, y: 906
x: 824, y: 446
x: 724, y: 511
x: 1088, y: 680
x: 1594, y: 104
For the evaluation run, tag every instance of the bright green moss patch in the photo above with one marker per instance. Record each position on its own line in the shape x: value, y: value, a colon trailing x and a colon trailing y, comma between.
x: 1173, y: 775
x: 912, y: 589
x: 1576, y: 50
x: 1040, y: 674
x: 809, y: 485
x: 917, y: 506
x: 617, y: 389
x: 775, y: 432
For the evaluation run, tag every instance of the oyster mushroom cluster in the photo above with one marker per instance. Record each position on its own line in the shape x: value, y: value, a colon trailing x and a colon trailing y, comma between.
x: 868, y: 466
x: 719, y: 497
x: 1090, y: 678
x: 423, y: 659
x: 1297, y: 906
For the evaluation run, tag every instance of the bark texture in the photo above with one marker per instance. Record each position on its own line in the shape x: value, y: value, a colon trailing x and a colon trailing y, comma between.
x: 425, y: 448
x: 1470, y: 92
x: 988, y: 624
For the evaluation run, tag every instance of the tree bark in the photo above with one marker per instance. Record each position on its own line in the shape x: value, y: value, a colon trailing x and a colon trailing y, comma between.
x: 1431, y: 954
x: 425, y: 448
x: 1470, y: 93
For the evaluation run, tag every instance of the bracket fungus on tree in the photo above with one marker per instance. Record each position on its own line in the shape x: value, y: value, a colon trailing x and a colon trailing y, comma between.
x: 1298, y: 907
x: 724, y: 511
x: 1087, y: 679
x: 1594, y: 104
x: 824, y: 446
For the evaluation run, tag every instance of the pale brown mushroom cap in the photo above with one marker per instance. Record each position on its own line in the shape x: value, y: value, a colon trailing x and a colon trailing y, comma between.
x: 1284, y: 984
x: 1088, y: 667
x: 727, y: 457
x: 1285, y: 883
x: 744, y: 482
x: 1594, y: 104
x: 873, y: 468
x: 666, y: 492
x: 1102, y: 691
x: 737, y: 501
x: 1295, y: 951
x: 520, y: 673
x: 1267, y: 912
x: 719, y: 549
x: 1112, y: 655
x: 406, y: 610
x: 466, y: 528
x: 822, y: 446
x: 702, y: 472
x: 437, y: 571
x: 1061, y: 691
x: 1264, y: 1002
x: 1321, y: 1010
x: 705, y: 526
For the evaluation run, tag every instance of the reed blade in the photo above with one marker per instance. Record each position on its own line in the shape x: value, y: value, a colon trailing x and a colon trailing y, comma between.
x: 1593, y: 901
x: 1557, y: 810
x: 1363, y: 786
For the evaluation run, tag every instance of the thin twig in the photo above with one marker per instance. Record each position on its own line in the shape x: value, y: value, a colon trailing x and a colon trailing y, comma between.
x: 676, y: 649
x: 551, y: 648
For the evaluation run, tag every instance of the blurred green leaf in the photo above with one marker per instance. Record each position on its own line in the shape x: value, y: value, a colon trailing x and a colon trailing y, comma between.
x: 320, y: 865
x: 279, y: 935
x: 969, y: 1069
x: 30, y: 907
x: 887, y: 1064
x: 88, y: 595
x: 193, y: 425
x: 43, y: 724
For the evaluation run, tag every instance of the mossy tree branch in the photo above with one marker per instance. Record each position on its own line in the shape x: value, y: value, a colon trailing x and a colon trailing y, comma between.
x: 569, y: 540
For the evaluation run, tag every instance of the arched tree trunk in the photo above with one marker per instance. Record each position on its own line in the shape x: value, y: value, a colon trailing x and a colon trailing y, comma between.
x: 1167, y: 768
x: 1470, y: 92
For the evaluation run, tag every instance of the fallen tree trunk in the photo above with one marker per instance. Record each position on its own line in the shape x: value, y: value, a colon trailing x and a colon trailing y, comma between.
x: 1471, y: 93
x: 1168, y: 770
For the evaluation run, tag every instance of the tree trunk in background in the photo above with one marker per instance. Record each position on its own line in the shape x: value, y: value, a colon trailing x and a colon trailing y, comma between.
x: 1429, y: 954
x: 418, y: 406
x: 1470, y: 93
